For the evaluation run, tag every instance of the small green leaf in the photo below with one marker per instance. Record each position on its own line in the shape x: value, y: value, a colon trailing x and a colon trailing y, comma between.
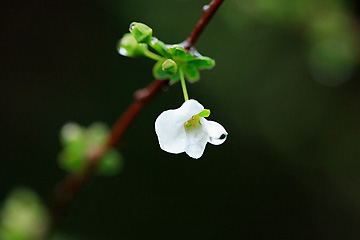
x: 129, y: 47
x: 191, y: 73
x: 141, y: 32
x: 174, y: 78
x: 169, y: 66
x: 202, y: 63
x: 205, y: 113
x: 177, y: 51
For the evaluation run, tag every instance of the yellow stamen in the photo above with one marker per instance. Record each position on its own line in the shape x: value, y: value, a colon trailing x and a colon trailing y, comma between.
x: 193, y: 122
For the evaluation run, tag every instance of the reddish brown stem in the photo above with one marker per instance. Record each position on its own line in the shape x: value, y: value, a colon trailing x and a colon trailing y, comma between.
x: 141, y: 98
x: 208, y: 13
x: 67, y: 188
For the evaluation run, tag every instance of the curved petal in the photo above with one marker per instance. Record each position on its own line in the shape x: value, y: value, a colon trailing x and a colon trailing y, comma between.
x: 171, y: 133
x: 187, y: 110
x: 196, y: 141
x: 217, y: 133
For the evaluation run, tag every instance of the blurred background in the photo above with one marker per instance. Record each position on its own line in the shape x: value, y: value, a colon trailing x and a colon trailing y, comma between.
x: 285, y: 86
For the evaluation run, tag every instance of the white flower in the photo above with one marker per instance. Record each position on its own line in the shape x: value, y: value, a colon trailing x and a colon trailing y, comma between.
x: 182, y: 130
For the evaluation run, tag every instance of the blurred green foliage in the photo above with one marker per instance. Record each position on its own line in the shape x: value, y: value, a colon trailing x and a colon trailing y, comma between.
x: 141, y: 32
x: 23, y: 216
x: 79, y: 143
x: 328, y: 26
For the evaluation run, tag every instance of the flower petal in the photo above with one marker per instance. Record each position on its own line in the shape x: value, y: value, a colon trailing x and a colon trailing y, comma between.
x: 197, y: 139
x: 171, y: 133
x: 187, y: 110
x: 217, y: 133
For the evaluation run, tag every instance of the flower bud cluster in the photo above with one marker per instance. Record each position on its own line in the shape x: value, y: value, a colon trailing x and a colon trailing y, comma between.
x: 169, y: 58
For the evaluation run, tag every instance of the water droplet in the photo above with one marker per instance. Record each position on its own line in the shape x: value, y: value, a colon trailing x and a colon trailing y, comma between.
x: 199, y: 136
x: 123, y: 51
x: 132, y: 26
x: 154, y: 40
x: 206, y: 8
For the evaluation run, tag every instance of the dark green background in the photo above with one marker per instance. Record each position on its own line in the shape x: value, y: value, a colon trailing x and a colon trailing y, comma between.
x: 288, y: 170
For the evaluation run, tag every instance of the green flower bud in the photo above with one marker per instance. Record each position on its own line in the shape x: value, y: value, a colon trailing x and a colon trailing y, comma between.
x: 129, y: 47
x: 177, y: 51
x: 169, y: 66
x: 141, y: 32
x: 158, y: 72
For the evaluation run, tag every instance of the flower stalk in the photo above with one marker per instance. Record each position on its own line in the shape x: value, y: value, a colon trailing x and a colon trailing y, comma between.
x: 183, y: 84
x: 153, y: 56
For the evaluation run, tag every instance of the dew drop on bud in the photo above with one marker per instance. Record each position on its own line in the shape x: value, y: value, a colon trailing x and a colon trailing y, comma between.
x: 123, y: 51
x: 132, y: 26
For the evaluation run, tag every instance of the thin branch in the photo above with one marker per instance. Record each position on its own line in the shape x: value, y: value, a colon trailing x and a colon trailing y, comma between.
x: 141, y: 98
x: 208, y: 13
x: 66, y: 189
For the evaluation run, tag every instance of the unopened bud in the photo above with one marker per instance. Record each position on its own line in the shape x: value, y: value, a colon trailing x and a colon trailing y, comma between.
x: 177, y: 51
x: 141, y: 32
x: 169, y: 66
x: 129, y: 47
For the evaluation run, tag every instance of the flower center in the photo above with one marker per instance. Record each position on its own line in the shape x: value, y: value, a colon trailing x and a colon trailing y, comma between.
x: 193, y: 122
